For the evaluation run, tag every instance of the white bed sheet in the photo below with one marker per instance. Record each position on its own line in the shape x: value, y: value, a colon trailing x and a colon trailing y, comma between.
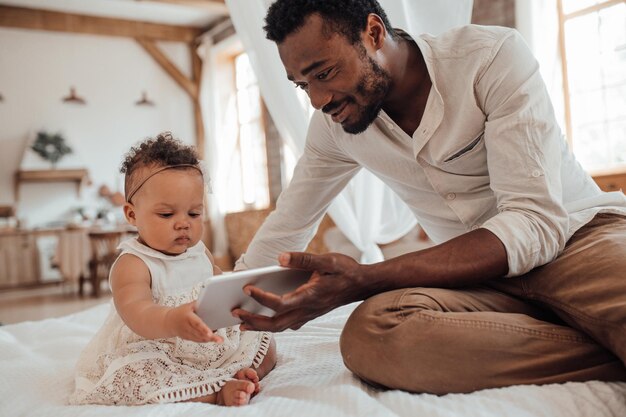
x: 37, y: 361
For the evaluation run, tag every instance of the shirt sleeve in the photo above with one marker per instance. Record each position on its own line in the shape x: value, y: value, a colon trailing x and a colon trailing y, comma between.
x: 321, y: 173
x: 523, y: 142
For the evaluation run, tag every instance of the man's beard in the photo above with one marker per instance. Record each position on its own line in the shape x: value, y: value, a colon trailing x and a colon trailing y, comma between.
x: 373, y: 86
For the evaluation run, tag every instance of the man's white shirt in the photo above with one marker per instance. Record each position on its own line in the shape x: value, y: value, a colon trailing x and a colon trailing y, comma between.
x: 488, y: 153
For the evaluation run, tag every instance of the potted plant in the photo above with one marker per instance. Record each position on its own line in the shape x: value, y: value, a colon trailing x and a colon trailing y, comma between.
x: 51, y: 147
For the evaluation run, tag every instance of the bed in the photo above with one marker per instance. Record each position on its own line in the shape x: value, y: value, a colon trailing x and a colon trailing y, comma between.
x: 37, y: 360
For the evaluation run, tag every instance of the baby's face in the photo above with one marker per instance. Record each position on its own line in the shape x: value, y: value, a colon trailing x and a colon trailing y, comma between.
x: 168, y: 210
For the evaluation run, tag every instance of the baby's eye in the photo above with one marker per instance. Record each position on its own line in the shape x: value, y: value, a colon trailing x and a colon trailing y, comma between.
x: 194, y: 214
x: 165, y: 215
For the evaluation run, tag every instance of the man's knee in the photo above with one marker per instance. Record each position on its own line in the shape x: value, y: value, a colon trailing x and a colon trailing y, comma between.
x: 373, y: 343
x: 360, y: 339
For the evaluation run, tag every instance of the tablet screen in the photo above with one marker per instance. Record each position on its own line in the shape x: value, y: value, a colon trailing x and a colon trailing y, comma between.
x: 225, y: 292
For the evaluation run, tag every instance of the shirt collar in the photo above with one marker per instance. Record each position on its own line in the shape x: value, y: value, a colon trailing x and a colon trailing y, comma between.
x: 434, y: 111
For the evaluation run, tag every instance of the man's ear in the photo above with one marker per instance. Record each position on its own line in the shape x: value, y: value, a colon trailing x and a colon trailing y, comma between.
x: 129, y: 213
x: 375, y: 31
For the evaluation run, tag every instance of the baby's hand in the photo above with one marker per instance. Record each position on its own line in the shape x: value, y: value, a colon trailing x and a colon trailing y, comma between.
x: 185, y: 323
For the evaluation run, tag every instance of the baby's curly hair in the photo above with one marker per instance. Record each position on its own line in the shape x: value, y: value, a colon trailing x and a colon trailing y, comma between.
x: 163, y: 150
x: 346, y: 17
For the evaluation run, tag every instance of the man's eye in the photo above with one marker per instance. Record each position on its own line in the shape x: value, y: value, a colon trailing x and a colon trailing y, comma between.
x: 302, y: 86
x: 323, y: 75
x: 165, y: 215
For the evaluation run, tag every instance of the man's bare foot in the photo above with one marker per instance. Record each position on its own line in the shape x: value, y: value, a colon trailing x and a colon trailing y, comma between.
x: 235, y: 393
x: 249, y: 374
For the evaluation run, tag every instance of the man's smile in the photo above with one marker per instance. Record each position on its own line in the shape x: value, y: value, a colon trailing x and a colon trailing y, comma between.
x: 342, y: 113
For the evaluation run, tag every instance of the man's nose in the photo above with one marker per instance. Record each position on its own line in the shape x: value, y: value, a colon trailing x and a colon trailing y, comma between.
x: 319, y: 96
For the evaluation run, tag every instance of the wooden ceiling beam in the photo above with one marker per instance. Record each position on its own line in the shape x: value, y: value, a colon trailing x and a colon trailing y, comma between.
x: 35, y: 19
x: 190, y: 85
x: 196, y: 70
x: 187, y: 84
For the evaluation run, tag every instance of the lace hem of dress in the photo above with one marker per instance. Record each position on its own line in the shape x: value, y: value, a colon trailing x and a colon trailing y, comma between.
x: 266, y: 339
x: 186, y: 394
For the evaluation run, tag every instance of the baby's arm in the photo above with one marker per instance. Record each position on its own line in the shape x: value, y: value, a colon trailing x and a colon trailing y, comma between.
x: 130, y: 283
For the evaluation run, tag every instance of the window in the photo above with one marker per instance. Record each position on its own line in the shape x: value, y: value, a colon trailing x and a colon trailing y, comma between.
x: 251, y: 154
x: 593, y: 46
x: 252, y: 148
x: 251, y: 161
x: 247, y: 175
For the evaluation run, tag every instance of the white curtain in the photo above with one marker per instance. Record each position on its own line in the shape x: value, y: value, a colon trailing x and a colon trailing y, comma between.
x: 215, y: 155
x: 428, y: 16
x: 364, y: 210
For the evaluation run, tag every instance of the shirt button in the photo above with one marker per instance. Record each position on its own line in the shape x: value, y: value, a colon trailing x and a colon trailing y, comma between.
x: 450, y: 196
x: 536, y: 173
x: 390, y: 126
x: 475, y: 227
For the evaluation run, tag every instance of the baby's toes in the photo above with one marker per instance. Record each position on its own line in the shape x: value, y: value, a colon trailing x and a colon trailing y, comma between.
x: 249, y: 374
x: 240, y: 398
x: 243, y: 393
x: 236, y: 393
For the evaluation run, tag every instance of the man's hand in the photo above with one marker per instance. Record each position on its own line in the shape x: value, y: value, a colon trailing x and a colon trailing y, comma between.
x: 464, y: 261
x: 334, y: 282
x: 185, y: 323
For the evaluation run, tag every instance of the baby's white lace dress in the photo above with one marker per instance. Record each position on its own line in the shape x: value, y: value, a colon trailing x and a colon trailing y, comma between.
x: 120, y: 367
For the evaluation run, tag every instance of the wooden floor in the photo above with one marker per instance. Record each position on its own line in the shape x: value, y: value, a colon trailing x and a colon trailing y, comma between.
x: 44, y: 302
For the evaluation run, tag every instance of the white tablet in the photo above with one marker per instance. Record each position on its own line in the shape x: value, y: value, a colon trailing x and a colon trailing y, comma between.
x: 224, y: 292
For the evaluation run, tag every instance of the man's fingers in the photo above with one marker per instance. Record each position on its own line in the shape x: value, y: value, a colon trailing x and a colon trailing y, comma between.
x: 268, y: 299
x: 278, y: 323
x: 304, y: 260
x: 278, y: 303
x: 253, y: 321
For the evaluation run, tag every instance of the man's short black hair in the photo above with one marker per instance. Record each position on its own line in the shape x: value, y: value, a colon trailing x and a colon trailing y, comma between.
x: 347, y: 17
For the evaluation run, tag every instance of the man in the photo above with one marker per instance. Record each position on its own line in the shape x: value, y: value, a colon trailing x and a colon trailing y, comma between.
x: 527, y: 284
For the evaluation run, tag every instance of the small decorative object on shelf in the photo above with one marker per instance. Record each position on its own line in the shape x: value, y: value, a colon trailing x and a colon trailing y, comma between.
x: 51, y: 147
x: 144, y: 101
x: 73, y: 98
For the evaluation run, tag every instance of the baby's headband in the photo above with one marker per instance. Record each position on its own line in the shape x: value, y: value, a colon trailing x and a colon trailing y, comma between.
x: 130, y: 193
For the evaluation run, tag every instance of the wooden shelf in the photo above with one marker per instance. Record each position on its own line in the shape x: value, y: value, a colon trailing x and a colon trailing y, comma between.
x: 78, y: 176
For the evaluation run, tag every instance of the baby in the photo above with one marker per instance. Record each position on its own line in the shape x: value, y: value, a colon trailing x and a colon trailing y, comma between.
x: 153, y: 348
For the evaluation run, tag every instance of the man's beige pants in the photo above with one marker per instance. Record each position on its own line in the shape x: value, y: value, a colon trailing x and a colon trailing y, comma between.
x: 564, y: 321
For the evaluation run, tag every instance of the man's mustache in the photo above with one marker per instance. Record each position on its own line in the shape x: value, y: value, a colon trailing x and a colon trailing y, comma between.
x: 332, y: 106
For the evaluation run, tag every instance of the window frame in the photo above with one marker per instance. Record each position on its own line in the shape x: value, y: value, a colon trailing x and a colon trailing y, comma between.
x: 563, y: 18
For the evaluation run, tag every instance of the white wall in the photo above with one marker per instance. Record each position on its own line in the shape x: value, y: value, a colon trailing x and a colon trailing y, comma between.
x: 36, y: 71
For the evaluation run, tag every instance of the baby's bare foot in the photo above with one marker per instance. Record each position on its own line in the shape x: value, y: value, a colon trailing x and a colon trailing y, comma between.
x: 249, y: 374
x: 235, y: 393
